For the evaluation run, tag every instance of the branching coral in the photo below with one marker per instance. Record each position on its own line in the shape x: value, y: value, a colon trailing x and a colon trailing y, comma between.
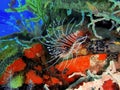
x: 109, y: 15
x: 115, y: 4
x: 93, y: 25
x: 106, y: 10
x: 102, y: 15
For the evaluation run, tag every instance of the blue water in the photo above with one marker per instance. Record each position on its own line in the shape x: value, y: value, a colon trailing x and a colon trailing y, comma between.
x: 8, y: 20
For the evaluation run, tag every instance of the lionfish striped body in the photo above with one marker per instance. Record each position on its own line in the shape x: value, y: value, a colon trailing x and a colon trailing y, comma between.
x: 70, y: 44
x: 64, y: 42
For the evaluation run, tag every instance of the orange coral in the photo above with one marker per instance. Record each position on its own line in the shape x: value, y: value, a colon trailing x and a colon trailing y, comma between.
x: 78, y: 64
x: 16, y: 66
x: 55, y: 81
x: 39, y: 68
x: 31, y: 76
x: 46, y: 77
x: 102, y: 57
x: 35, y: 50
x: 68, y: 80
x: 4, y: 78
x: 28, y: 53
x: 51, y: 80
x: 108, y: 85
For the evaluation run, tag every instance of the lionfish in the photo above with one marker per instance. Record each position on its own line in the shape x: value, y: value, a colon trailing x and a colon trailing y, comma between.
x: 63, y: 42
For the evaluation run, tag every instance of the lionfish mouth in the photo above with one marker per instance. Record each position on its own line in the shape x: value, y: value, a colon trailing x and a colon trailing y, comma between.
x: 64, y: 42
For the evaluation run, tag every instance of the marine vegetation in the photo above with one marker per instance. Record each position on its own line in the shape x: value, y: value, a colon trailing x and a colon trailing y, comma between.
x: 35, y: 6
x: 60, y: 45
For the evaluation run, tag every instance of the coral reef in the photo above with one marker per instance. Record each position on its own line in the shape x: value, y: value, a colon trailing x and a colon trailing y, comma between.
x: 62, y: 45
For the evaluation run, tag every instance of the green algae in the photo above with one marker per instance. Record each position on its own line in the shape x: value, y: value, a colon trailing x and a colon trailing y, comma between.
x: 16, y: 81
x: 35, y: 6
x: 9, y: 49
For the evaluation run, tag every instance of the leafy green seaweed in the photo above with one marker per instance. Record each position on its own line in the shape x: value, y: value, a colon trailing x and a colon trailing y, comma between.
x: 35, y: 6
